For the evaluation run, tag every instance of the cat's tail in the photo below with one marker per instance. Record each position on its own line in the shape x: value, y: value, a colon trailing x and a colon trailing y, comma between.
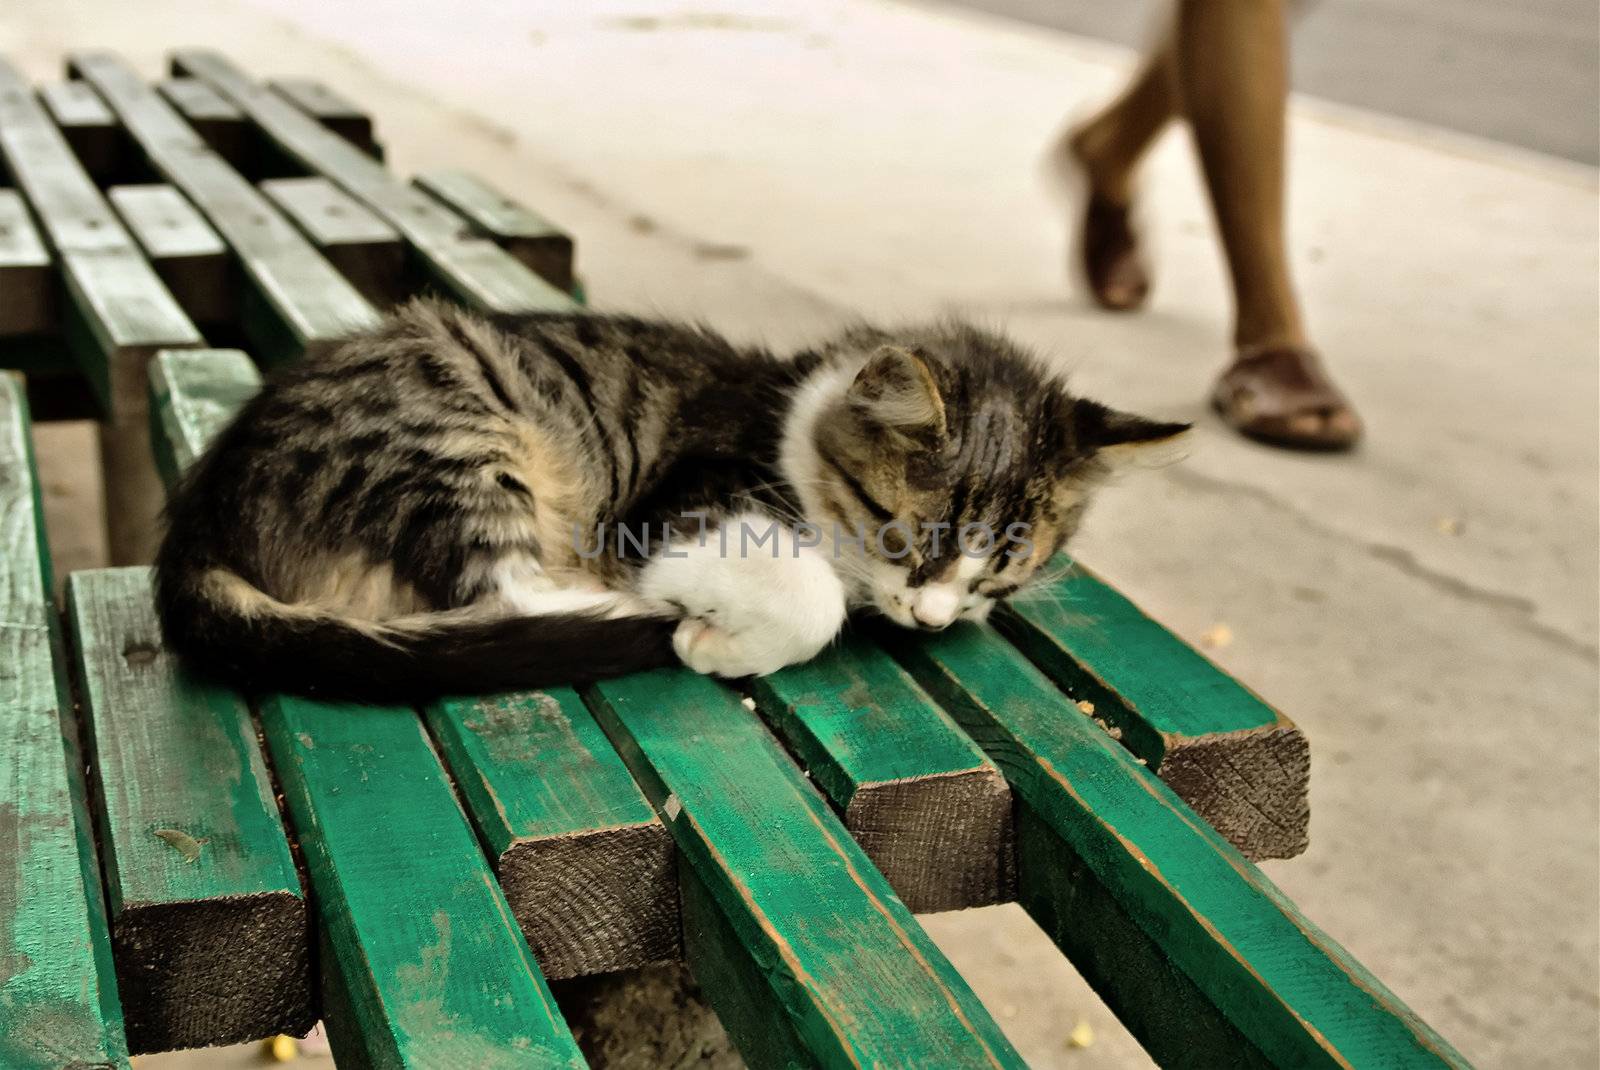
x: 227, y: 629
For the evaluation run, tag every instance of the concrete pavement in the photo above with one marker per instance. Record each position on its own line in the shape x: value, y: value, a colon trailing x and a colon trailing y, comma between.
x: 1425, y: 609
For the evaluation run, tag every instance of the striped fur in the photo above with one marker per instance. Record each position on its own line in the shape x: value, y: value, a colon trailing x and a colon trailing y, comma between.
x: 420, y: 511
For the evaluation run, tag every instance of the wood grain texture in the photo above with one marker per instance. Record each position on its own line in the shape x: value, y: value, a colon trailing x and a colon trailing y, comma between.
x: 117, y: 311
x: 585, y: 863
x: 58, y: 996
x: 469, y: 267
x: 1235, y: 760
x: 544, y: 247
x: 329, y: 108
x: 26, y: 278
x: 930, y: 810
x: 294, y: 301
x: 219, y: 124
x: 423, y: 963
x: 364, y: 248
x: 819, y: 943
x: 86, y: 123
x: 187, y: 253
x: 1210, y: 933
x: 193, y: 395
x: 207, y: 918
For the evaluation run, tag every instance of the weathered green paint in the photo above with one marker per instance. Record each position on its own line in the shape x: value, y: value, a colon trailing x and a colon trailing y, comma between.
x: 471, y: 268
x: 364, y: 248
x: 330, y: 109
x: 1266, y: 973
x: 838, y: 955
x: 25, y: 276
x: 209, y: 925
x: 193, y: 395
x: 219, y: 124
x: 119, y: 309
x: 583, y: 859
x: 426, y: 962
x: 929, y: 809
x: 58, y: 999
x: 187, y: 253
x: 525, y: 234
x: 1230, y: 756
x: 86, y: 123
x: 295, y: 301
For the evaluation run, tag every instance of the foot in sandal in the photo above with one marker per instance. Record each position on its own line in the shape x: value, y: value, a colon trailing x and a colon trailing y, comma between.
x: 1281, y: 395
x: 1107, y: 252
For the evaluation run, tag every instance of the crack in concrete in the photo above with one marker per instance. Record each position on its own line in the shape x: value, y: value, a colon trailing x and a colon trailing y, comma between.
x: 1523, y: 610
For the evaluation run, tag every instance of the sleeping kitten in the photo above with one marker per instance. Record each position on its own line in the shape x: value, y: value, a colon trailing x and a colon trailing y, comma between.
x: 455, y: 504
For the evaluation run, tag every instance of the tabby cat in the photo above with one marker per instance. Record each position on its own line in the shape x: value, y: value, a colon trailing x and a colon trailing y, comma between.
x: 454, y: 503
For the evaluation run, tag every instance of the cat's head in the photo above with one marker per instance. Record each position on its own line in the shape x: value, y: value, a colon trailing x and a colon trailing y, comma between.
x: 946, y: 467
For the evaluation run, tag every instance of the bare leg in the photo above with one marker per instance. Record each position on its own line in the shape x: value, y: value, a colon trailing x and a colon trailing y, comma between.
x: 1225, y: 69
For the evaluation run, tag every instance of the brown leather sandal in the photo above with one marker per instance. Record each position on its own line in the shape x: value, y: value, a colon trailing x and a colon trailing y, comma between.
x: 1108, y: 250
x: 1282, y: 396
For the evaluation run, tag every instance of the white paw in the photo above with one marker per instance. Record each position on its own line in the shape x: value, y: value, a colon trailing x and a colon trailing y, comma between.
x: 715, y: 651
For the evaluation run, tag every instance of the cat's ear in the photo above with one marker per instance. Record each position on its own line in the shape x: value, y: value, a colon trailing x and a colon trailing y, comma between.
x: 1123, y: 438
x: 896, y: 390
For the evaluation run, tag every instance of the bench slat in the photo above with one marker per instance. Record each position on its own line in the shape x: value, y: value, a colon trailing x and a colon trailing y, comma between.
x: 188, y: 255
x: 364, y: 248
x: 787, y: 921
x: 193, y: 395
x: 333, y: 111
x: 423, y: 963
x: 584, y: 861
x: 118, y: 312
x: 1156, y: 908
x: 930, y: 810
x: 219, y: 124
x: 25, y: 275
x: 520, y: 231
x: 88, y: 126
x: 56, y: 974
x: 295, y: 301
x: 1235, y: 760
x: 471, y: 268
x: 209, y: 925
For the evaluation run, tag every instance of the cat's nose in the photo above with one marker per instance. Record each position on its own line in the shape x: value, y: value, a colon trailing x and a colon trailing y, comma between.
x: 936, y: 608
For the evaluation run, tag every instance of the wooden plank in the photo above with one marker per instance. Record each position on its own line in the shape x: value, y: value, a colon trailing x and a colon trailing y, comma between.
x: 56, y: 976
x: 25, y: 275
x: 364, y: 248
x: 294, y: 301
x: 471, y: 268
x: 1154, y: 906
x: 117, y: 311
x: 1236, y: 761
x: 89, y: 128
x: 219, y: 124
x: 423, y: 962
x: 520, y: 231
x: 208, y: 921
x: 193, y: 395
x: 333, y: 111
x: 585, y: 863
x: 188, y: 255
x: 793, y: 925
x: 930, y: 810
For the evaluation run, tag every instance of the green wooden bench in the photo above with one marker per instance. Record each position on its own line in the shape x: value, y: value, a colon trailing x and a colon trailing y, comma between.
x: 500, y: 880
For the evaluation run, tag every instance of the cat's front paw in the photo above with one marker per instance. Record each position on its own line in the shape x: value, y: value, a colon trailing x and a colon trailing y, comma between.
x: 716, y: 651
